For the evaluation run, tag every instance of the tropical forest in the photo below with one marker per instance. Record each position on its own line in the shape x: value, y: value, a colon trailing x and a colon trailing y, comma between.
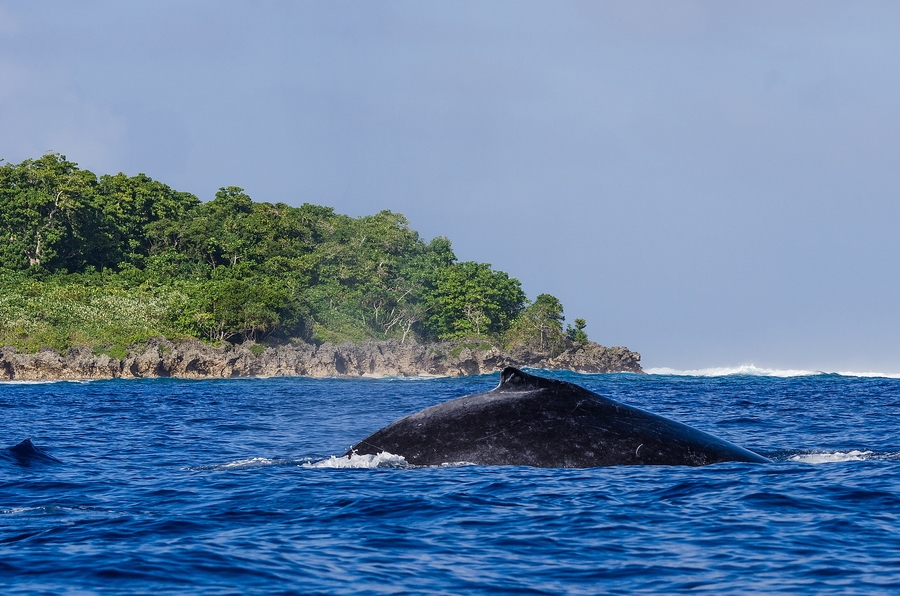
x: 111, y: 261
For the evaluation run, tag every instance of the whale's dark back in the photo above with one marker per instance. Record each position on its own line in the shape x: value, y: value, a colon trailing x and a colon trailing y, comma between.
x: 27, y: 453
x: 533, y: 421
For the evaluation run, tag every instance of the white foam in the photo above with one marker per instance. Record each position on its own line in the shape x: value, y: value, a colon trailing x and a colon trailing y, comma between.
x: 759, y: 371
x: 243, y: 464
x: 724, y: 371
x: 869, y: 374
x: 832, y: 457
x: 381, y: 460
x: 57, y: 510
x: 378, y: 377
x: 253, y: 462
x: 16, y: 510
x: 46, y: 381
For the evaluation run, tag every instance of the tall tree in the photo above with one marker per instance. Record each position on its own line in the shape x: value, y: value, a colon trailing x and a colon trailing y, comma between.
x: 135, y: 204
x: 541, y: 324
x: 46, y: 214
x: 470, y: 298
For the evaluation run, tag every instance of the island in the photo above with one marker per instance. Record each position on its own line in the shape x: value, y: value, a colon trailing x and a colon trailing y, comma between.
x: 118, y: 276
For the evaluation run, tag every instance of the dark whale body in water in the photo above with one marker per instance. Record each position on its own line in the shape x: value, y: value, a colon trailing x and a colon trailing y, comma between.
x: 533, y: 421
x: 27, y: 453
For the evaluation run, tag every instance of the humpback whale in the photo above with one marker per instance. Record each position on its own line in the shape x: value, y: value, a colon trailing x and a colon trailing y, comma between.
x: 534, y: 421
x: 27, y: 453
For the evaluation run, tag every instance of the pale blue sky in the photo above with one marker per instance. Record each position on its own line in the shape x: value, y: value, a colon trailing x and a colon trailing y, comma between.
x: 709, y: 183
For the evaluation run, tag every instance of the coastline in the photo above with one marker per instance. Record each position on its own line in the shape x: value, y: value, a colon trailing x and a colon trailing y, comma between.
x: 192, y: 359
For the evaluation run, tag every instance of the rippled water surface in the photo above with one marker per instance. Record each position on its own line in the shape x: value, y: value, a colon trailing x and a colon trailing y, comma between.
x: 229, y: 487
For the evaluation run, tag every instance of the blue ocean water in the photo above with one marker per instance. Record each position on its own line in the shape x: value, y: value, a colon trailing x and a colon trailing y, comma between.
x: 230, y: 487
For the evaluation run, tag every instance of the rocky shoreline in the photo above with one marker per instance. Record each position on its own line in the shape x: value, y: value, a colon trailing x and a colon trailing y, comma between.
x: 192, y: 359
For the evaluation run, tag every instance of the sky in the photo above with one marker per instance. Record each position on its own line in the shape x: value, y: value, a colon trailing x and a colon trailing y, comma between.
x: 707, y: 183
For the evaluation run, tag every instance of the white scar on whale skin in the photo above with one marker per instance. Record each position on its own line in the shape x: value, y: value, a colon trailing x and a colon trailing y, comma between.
x: 638, y: 449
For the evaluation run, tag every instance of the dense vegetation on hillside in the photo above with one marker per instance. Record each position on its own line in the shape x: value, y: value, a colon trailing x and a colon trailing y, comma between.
x: 114, y: 260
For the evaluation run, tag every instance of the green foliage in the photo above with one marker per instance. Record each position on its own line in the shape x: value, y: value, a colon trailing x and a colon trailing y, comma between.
x: 540, y: 325
x: 577, y: 333
x: 67, y: 310
x: 113, y: 351
x: 133, y: 206
x: 222, y: 309
x: 470, y: 299
x: 116, y: 260
x: 58, y: 217
x: 46, y: 213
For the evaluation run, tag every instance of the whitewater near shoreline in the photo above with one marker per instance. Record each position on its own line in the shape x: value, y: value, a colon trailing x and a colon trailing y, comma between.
x: 760, y: 371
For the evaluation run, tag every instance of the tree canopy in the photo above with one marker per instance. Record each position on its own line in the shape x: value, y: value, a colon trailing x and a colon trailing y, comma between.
x: 233, y: 269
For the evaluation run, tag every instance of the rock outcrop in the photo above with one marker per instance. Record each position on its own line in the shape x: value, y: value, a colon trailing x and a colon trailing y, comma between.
x: 192, y: 359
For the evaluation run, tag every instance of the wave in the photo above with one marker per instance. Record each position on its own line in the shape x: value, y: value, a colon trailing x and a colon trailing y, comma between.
x: 830, y: 457
x: 758, y: 371
x: 354, y: 461
x: 381, y: 460
x: 244, y: 464
x: 868, y: 374
x: 47, y: 381
x: 58, y: 510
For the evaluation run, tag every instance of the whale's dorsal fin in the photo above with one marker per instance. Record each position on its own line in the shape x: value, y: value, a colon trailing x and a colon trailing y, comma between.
x: 26, y: 451
x: 513, y: 379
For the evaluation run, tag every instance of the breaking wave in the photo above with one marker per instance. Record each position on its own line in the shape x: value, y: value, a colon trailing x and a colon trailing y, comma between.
x: 381, y: 460
x: 354, y: 461
x: 828, y: 457
x: 759, y: 371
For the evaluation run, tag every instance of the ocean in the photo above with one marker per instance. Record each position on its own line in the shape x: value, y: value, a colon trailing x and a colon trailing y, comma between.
x: 168, y: 486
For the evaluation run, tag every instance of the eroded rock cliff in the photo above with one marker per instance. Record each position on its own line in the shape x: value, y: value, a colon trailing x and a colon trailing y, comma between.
x: 191, y: 359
